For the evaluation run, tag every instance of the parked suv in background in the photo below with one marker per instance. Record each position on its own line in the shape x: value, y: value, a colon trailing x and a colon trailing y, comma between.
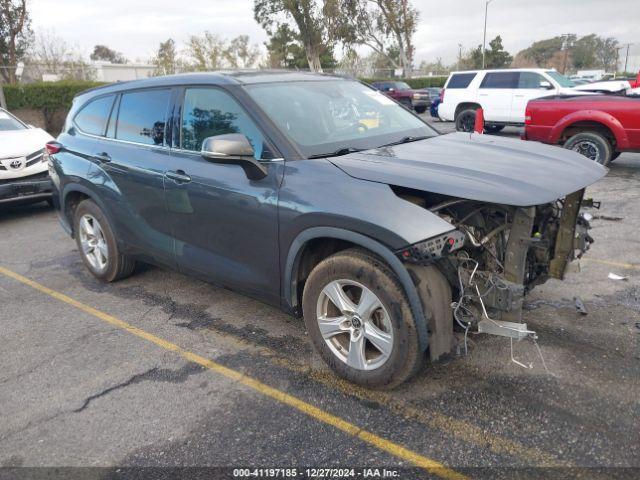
x: 23, y: 170
x: 403, y: 93
x: 502, y: 94
x: 322, y: 196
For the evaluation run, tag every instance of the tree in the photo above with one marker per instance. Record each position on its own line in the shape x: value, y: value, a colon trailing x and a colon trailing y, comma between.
x: 104, y: 53
x: 607, y: 54
x: 583, y: 53
x: 284, y: 50
x: 542, y: 51
x: 495, y: 57
x: 15, y: 35
x: 385, y: 26
x: 207, y: 52
x: 166, y: 59
x: 52, y: 55
x: 241, y: 54
x: 308, y: 18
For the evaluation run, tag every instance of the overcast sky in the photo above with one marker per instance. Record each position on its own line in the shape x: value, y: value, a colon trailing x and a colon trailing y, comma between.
x: 135, y: 27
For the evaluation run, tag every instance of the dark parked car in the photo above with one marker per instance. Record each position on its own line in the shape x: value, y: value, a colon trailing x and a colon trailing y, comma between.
x: 403, y: 93
x: 321, y: 196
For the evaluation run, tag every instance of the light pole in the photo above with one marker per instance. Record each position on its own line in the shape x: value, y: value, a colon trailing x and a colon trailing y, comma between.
x: 626, y: 57
x: 484, y: 38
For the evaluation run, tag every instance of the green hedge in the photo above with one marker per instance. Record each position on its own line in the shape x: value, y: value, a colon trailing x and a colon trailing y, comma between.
x: 54, y: 95
x: 44, y: 95
x: 423, y: 82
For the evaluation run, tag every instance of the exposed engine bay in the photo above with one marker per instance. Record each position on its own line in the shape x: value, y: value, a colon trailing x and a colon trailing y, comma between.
x: 498, y: 253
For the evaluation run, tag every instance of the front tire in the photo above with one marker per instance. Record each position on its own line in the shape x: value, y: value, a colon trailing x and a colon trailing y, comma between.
x: 97, y: 244
x: 591, y: 145
x: 359, y: 319
x: 421, y: 109
x: 466, y: 120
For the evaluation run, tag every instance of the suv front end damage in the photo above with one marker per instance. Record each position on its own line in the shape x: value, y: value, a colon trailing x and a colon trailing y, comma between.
x: 493, y: 258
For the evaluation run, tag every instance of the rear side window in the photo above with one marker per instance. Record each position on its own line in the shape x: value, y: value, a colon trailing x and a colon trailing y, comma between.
x: 500, y: 80
x: 92, y: 118
x: 142, y: 116
x: 460, y: 80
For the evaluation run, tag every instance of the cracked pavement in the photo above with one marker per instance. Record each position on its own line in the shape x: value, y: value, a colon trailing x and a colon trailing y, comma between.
x: 75, y: 391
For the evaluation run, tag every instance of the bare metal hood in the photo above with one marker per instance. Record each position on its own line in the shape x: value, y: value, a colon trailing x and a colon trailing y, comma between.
x: 478, y: 167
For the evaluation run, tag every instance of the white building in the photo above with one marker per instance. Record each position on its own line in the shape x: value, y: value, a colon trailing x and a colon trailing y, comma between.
x: 119, y: 72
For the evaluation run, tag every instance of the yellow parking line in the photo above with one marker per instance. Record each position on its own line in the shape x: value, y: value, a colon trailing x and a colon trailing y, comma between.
x: 316, y: 413
x: 630, y: 266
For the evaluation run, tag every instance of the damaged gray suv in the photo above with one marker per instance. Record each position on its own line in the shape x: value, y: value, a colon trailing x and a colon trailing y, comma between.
x: 324, y: 197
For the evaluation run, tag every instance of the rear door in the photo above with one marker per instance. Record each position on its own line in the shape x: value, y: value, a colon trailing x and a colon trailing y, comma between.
x: 495, y: 95
x: 132, y: 161
x: 225, y: 225
x: 530, y: 85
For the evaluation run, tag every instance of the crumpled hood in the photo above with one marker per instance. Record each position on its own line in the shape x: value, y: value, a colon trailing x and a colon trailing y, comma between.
x: 477, y: 167
x: 20, y: 143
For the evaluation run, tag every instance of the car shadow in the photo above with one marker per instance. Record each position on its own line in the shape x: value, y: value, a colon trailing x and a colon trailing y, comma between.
x: 15, y: 211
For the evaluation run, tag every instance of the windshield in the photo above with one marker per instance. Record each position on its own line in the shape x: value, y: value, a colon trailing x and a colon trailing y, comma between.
x: 9, y: 122
x: 322, y: 117
x: 561, y: 79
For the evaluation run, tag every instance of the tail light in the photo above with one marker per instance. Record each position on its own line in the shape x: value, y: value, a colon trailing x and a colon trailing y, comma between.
x: 527, y: 117
x: 53, y: 147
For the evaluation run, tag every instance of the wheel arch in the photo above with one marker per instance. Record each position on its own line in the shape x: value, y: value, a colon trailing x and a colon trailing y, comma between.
x: 72, y: 195
x: 464, y: 106
x: 342, y: 239
x: 596, y: 121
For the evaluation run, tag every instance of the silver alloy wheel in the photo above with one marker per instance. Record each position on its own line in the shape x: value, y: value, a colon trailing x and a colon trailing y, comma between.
x: 354, y: 324
x: 588, y: 149
x: 94, y: 245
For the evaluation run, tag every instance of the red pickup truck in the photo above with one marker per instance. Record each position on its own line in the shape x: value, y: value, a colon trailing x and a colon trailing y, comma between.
x: 598, y: 126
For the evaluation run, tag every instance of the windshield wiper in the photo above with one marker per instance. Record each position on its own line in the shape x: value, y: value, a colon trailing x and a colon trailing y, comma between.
x: 405, y: 140
x: 337, y: 153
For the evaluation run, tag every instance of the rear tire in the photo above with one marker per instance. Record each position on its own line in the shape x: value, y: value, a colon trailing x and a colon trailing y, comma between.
x: 97, y: 244
x: 591, y: 145
x: 466, y: 120
x: 376, y: 347
x: 615, y: 155
x: 421, y: 109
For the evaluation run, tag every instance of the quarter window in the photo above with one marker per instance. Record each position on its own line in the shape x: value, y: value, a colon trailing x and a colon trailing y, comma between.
x: 93, y: 117
x: 208, y: 112
x: 141, y: 116
x: 460, y: 80
x: 500, y: 80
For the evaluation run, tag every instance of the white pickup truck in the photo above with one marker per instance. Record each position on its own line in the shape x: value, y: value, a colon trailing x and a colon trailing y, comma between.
x: 502, y: 94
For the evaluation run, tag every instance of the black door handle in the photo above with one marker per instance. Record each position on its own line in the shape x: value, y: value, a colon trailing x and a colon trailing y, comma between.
x: 178, y: 176
x: 102, y: 157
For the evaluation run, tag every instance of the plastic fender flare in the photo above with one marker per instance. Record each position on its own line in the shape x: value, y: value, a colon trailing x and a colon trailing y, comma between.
x: 606, y: 119
x: 293, y: 257
x: 78, y: 187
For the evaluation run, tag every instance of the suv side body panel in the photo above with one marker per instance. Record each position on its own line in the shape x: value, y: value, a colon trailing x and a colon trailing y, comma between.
x: 500, y: 105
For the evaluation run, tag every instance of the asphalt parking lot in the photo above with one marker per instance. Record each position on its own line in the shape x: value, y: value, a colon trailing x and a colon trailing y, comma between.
x: 164, y: 370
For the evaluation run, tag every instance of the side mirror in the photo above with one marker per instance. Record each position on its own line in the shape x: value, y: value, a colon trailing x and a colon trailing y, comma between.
x: 233, y: 148
x: 391, y: 90
x: 546, y: 85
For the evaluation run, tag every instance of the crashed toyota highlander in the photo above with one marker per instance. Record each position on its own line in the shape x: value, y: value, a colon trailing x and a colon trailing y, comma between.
x: 324, y: 197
